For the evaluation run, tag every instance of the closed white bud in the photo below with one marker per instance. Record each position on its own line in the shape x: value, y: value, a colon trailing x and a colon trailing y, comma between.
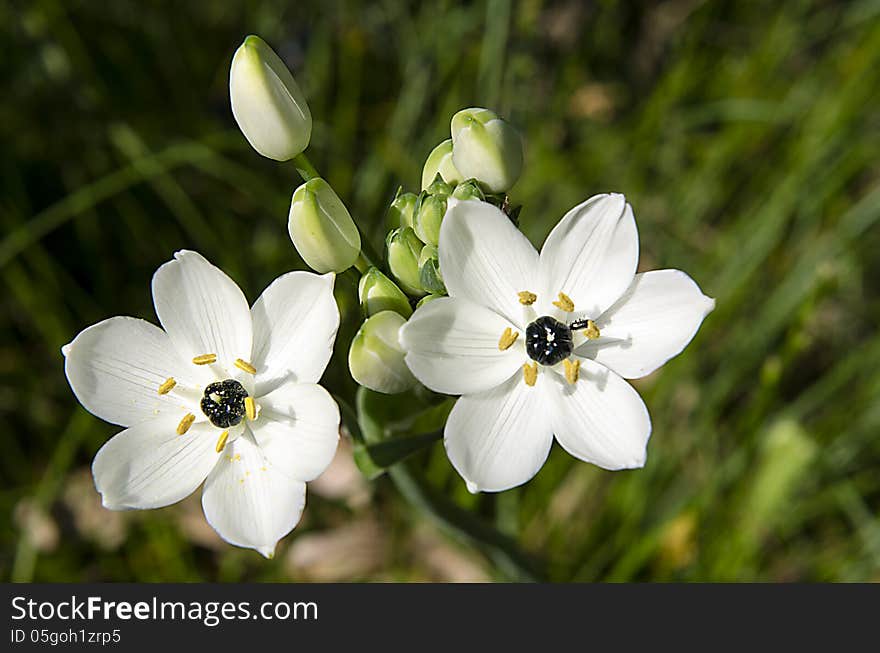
x: 378, y: 293
x: 376, y: 357
x: 321, y: 228
x: 486, y: 148
x: 267, y: 103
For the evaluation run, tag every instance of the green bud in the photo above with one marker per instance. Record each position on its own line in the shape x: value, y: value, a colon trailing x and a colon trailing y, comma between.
x: 469, y: 190
x: 268, y: 106
x: 400, y: 213
x: 429, y: 215
x: 486, y: 148
x: 427, y: 298
x: 429, y: 271
x: 376, y: 358
x: 321, y: 228
x: 439, y: 161
x: 439, y: 187
x: 379, y: 293
x: 404, y: 248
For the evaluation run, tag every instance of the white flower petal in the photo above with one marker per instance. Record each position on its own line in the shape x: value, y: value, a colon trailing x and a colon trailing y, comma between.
x: 115, y: 368
x: 452, y: 347
x: 653, y: 321
x: 202, y: 309
x: 150, y: 465
x: 591, y: 255
x: 500, y: 438
x: 600, y: 419
x: 248, y: 501
x: 298, y: 429
x: 295, y: 323
x: 485, y: 259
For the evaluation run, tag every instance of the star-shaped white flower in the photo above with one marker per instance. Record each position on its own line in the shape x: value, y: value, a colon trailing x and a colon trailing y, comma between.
x: 539, y: 344
x: 226, y: 395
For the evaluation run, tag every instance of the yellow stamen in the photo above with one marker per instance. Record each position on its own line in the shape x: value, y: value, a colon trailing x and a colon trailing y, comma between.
x: 244, y: 365
x: 205, y: 359
x: 250, y: 408
x: 527, y: 298
x: 530, y: 373
x: 592, y: 331
x: 572, y: 370
x: 221, y: 441
x: 185, y: 423
x: 507, y: 338
x: 167, y: 385
x: 564, y: 303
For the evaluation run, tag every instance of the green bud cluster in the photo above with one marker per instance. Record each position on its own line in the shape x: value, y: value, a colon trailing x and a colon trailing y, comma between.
x: 480, y: 163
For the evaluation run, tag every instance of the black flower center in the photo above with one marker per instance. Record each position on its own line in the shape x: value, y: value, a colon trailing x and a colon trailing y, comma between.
x: 548, y: 341
x: 223, y: 403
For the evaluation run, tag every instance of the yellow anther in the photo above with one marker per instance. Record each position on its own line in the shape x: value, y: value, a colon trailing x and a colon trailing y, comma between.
x: 592, y: 331
x: 250, y: 408
x: 507, y: 338
x: 530, y: 373
x: 527, y: 298
x: 205, y: 359
x: 244, y: 365
x: 564, y: 303
x: 572, y: 370
x: 221, y: 441
x: 185, y: 423
x: 166, y: 386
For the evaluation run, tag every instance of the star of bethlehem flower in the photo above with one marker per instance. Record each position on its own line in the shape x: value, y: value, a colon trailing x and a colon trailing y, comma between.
x: 539, y: 345
x: 226, y: 394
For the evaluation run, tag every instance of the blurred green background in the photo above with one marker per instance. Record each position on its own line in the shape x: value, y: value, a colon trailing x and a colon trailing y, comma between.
x: 746, y: 135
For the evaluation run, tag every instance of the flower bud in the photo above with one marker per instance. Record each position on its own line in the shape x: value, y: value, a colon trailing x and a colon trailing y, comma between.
x: 404, y: 248
x: 321, y: 228
x: 376, y: 358
x: 439, y: 187
x: 486, y: 148
x: 379, y: 293
x: 469, y: 190
x: 440, y: 161
x: 267, y: 103
x: 400, y: 213
x: 429, y: 214
x: 429, y: 271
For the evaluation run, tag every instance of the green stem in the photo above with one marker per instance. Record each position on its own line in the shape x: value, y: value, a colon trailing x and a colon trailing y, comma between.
x: 304, y: 167
x: 503, y: 550
x: 362, y: 263
x: 368, y: 254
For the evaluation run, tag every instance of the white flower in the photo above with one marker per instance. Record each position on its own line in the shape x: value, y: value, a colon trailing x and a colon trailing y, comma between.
x: 226, y: 394
x: 501, y: 339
